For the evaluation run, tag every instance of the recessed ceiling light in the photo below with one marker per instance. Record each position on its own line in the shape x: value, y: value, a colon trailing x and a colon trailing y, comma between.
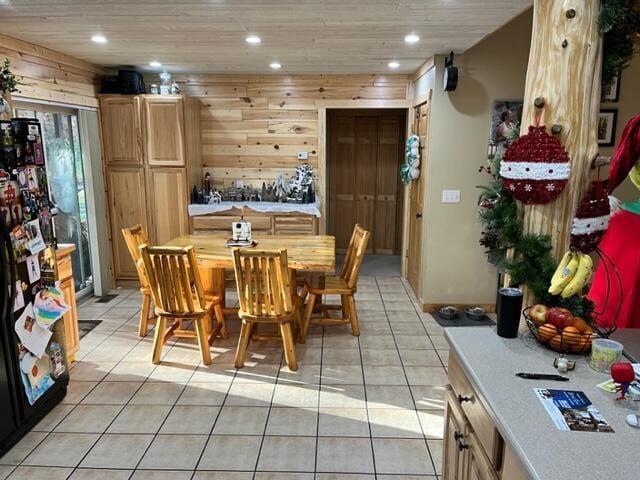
x: 99, y: 39
x: 412, y: 38
x: 394, y: 64
x: 155, y: 64
x: 276, y: 65
x: 253, y: 39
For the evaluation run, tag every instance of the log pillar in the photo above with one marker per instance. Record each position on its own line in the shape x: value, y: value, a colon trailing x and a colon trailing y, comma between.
x: 564, y: 69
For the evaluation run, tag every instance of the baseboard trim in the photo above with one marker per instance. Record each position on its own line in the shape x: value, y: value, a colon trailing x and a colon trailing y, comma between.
x: 430, y: 307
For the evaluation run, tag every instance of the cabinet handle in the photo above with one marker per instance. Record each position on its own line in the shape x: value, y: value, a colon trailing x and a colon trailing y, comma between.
x: 458, y: 436
x: 464, y: 398
x: 462, y: 446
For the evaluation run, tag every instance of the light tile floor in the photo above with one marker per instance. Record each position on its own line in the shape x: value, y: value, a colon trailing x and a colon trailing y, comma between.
x: 357, y: 408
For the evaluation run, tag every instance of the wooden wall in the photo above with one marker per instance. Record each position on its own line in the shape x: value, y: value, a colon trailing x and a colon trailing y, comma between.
x: 50, y: 75
x: 252, y: 126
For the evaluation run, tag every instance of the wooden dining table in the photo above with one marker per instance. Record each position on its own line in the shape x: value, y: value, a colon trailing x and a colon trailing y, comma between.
x: 305, y: 253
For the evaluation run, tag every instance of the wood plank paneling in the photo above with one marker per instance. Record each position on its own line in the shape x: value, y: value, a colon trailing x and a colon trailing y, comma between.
x: 50, y: 75
x: 256, y: 130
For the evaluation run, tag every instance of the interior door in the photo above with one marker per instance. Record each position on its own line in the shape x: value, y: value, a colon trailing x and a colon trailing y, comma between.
x: 364, y: 156
x: 416, y: 200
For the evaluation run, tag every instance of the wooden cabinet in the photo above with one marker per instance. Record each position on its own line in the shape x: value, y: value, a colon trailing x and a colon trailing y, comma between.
x: 473, y: 447
x: 127, y: 207
x: 145, y: 141
x: 261, y: 222
x: 67, y: 285
x: 121, y: 130
x: 168, y: 194
x: 164, y: 131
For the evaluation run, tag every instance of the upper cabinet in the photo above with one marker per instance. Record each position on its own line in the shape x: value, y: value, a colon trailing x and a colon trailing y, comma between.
x: 164, y: 131
x: 121, y: 130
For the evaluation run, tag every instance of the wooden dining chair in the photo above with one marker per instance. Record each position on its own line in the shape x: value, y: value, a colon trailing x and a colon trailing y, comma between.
x: 265, y: 296
x: 344, y: 285
x: 134, y: 237
x: 176, y: 287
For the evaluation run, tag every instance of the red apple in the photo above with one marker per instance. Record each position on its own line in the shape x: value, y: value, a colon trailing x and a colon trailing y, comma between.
x: 560, y: 317
x: 538, y: 313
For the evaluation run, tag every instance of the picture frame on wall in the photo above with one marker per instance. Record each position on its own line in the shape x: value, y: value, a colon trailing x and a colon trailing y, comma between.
x: 611, y: 90
x: 607, y: 127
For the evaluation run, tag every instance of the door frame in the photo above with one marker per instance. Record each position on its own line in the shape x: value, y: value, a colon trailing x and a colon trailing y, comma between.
x: 359, y: 104
x: 90, y: 148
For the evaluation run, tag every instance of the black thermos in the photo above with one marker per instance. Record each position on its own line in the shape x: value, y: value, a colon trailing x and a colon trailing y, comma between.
x: 509, y: 309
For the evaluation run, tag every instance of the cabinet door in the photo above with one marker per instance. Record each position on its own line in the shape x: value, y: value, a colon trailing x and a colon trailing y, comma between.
x: 127, y: 207
x: 477, y: 466
x: 164, y: 131
x: 70, y: 319
x: 168, y: 203
x: 454, y: 440
x: 120, y: 118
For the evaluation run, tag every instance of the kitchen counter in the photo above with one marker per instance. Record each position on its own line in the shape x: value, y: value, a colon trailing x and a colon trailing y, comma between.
x: 545, y: 453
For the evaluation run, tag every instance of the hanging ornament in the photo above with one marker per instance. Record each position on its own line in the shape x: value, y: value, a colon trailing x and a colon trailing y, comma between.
x: 535, y: 168
x: 410, y: 169
x: 592, y: 218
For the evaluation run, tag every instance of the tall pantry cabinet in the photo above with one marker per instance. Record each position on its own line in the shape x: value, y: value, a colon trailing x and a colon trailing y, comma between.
x: 148, y: 156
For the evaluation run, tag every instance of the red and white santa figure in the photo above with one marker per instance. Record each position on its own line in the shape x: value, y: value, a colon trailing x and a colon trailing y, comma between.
x: 619, y: 303
x: 535, y: 168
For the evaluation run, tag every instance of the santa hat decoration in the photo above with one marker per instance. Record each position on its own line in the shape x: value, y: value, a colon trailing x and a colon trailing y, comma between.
x: 626, y: 155
x: 592, y: 218
x: 535, y: 168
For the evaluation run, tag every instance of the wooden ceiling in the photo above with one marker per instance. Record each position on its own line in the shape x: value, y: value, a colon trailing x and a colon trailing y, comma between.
x: 306, y: 36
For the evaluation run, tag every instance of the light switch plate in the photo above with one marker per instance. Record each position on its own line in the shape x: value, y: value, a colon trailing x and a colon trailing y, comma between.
x: 450, y: 196
x: 303, y: 155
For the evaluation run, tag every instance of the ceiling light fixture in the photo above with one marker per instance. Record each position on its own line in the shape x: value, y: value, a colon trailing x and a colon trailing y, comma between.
x: 99, y: 39
x: 155, y: 64
x: 412, y: 38
x: 276, y: 65
x: 394, y: 64
x: 253, y: 39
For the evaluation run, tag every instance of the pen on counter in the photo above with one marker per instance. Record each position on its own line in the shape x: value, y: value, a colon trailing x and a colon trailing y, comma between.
x: 542, y: 376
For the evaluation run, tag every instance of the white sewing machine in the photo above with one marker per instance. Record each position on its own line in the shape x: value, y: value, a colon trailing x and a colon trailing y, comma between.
x: 241, y: 230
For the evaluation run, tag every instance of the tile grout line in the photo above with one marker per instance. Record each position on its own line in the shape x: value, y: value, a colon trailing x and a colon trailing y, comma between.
x: 433, y: 465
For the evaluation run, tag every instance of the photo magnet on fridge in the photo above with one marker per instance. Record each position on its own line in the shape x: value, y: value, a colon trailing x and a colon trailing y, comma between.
x: 35, y: 243
x: 32, y: 336
x: 18, y: 301
x: 33, y: 268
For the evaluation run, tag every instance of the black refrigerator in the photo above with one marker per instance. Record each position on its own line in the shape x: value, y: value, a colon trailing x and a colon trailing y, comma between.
x: 33, y: 371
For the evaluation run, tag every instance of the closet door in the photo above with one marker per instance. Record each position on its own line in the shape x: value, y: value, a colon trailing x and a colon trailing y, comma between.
x: 366, y: 131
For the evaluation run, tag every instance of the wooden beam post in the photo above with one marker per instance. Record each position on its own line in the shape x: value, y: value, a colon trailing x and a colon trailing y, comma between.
x: 564, y: 69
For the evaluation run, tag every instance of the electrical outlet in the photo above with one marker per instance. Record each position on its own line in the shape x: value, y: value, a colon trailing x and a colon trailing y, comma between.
x: 450, y: 196
x: 303, y: 155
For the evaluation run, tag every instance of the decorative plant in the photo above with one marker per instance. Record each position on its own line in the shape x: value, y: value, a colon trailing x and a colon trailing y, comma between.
x: 619, y: 22
x: 8, y: 81
x: 524, y: 257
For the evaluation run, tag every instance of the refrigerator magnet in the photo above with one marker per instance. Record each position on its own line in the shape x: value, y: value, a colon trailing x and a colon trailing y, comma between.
x: 33, y: 337
x: 35, y: 243
x: 18, y: 301
x: 33, y: 268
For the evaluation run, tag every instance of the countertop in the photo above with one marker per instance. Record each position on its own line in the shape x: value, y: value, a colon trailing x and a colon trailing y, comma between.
x: 195, y: 209
x: 65, y: 249
x: 545, y: 452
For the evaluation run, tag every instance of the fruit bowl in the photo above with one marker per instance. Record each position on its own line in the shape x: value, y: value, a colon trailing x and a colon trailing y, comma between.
x: 570, y: 339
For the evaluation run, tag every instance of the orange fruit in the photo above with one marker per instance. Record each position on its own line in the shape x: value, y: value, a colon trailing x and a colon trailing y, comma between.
x: 557, y: 343
x: 581, y: 324
x: 571, y: 337
x: 547, y: 331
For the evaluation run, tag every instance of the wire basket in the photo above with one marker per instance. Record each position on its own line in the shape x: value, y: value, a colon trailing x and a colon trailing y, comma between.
x: 560, y: 341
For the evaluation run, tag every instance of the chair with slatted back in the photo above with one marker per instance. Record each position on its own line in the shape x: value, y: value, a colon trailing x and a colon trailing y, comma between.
x: 176, y: 287
x: 344, y: 285
x: 265, y: 296
x: 134, y: 237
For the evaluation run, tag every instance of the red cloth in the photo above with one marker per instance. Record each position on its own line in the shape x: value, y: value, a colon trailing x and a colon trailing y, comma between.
x: 620, y: 244
x: 626, y: 154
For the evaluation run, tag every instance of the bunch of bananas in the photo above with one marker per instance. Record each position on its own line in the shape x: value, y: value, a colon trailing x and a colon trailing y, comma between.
x: 572, y: 274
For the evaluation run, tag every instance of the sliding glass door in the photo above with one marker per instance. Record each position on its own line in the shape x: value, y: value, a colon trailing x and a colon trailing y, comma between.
x: 66, y: 182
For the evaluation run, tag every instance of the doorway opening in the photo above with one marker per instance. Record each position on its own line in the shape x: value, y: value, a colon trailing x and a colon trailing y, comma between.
x: 365, y: 148
x: 66, y: 175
